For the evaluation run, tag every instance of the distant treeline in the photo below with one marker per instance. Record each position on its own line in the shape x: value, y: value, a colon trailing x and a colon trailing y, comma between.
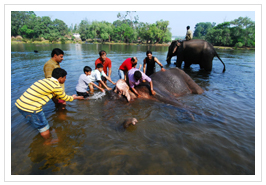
x: 237, y: 33
x: 127, y: 29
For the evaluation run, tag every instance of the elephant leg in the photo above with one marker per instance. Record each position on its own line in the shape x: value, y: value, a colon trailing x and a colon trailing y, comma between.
x: 178, y: 63
x: 187, y: 64
x: 206, y: 64
x: 168, y: 60
x: 206, y: 61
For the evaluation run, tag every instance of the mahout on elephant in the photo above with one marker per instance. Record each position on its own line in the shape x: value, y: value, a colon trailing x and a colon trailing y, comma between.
x: 194, y: 51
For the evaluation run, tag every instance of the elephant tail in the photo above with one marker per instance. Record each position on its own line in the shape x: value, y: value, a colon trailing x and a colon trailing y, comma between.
x: 221, y: 61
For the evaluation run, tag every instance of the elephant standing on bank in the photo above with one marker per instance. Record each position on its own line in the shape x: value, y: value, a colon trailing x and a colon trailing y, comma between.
x: 193, y: 52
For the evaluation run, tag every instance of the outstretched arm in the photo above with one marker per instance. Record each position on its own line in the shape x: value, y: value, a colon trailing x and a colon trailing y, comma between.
x: 110, y: 72
x: 108, y: 78
x: 75, y: 97
x: 100, y: 81
x: 152, y: 91
x: 135, y: 91
x: 139, y: 66
x: 144, y: 65
x: 158, y: 62
x: 97, y: 86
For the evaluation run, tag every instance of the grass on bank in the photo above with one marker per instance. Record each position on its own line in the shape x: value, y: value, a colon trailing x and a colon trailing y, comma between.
x: 30, y: 41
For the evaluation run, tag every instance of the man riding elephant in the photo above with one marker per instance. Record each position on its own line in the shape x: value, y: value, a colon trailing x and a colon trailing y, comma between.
x: 194, y: 51
x: 189, y: 34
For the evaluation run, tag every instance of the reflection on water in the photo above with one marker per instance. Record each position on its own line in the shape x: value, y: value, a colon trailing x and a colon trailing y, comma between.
x: 212, y: 133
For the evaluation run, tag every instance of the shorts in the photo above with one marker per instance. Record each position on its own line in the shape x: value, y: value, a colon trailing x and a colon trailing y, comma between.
x: 37, y: 120
x: 102, y: 78
x: 84, y: 94
x: 121, y: 74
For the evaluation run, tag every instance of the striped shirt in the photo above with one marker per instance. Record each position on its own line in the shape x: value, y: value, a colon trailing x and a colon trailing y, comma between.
x: 39, y: 93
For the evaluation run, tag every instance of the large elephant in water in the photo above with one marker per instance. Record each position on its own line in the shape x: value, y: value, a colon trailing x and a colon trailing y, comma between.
x: 193, y: 52
x: 167, y: 84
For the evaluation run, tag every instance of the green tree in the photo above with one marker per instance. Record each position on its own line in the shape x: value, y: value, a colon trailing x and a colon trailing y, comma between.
x: 220, y: 34
x: 84, y: 30
x: 60, y: 27
x: 25, y: 32
x: 201, y: 29
x: 19, y: 19
x: 105, y: 30
x: 243, y: 30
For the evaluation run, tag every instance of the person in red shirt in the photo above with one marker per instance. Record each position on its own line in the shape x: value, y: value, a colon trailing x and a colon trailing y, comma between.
x: 106, y: 62
x: 126, y: 66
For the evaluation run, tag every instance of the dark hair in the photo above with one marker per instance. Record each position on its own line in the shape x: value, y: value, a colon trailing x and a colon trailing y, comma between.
x: 134, y: 64
x: 133, y: 59
x: 99, y: 66
x: 148, y: 52
x: 58, y: 72
x: 137, y: 75
x: 57, y: 51
x: 86, y: 69
x: 102, y: 52
x: 188, y: 27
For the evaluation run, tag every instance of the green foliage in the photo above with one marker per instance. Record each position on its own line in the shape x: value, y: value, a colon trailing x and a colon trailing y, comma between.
x: 239, y: 45
x: 238, y: 33
x: 63, y: 41
x: 201, y: 29
x: 32, y: 27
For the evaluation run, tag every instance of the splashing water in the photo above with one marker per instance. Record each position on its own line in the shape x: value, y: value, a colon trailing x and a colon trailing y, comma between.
x: 97, y: 95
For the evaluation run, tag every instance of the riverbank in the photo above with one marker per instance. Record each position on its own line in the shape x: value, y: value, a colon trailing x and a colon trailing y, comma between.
x: 84, y: 42
x: 115, y: 43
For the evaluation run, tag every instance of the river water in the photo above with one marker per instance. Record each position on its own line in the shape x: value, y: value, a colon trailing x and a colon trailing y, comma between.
x: 220, y: 140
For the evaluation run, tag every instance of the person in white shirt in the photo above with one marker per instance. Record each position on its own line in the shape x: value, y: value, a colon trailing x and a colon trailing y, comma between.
x: 83, y: 83
x: 189, y: 34
x: 99, y: 76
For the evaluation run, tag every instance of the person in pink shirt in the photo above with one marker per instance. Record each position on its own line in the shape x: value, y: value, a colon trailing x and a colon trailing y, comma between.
x: 126, y: 66
x: 135, y: 77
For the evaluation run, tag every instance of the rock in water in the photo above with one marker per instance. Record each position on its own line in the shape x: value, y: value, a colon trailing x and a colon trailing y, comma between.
x: 129, y: 121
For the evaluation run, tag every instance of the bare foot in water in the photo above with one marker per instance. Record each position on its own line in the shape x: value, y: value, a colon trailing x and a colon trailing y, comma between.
x: 50, y: 141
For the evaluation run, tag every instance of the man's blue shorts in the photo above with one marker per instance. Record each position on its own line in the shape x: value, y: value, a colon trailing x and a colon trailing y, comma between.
x: 121, y: 74
x: 37, y: 120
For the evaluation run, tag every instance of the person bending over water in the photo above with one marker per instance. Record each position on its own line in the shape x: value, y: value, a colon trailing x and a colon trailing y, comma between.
x: 37, y: 95
x: 99, y: 76
x: 135, y: 77
x: 84, y: 82
x: 126, y: 66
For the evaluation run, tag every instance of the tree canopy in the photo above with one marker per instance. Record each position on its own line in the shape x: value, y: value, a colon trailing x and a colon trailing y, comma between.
x: 127, y: 28
x: 239, y: 32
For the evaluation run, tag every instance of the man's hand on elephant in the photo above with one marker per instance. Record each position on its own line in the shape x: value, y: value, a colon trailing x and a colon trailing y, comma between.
x: 153, y: 92
x: 162, y: 69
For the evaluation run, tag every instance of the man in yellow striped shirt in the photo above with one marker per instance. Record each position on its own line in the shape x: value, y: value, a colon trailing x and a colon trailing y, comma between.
x: 38, y: 94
